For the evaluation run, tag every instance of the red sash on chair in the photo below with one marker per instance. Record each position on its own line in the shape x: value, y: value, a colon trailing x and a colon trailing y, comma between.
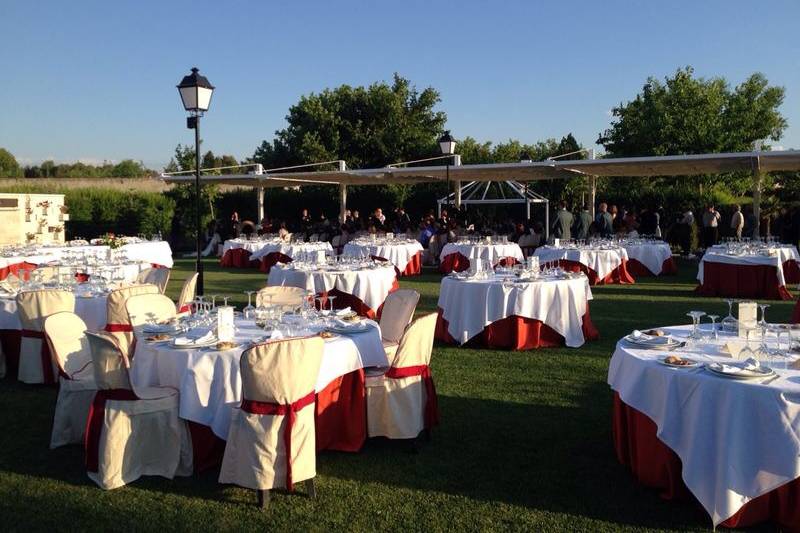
x: 432, y: 402
x: 94, y: 423
x: 185, y: 308
x: 47, y: 359
x: 288, y: 410
x: 117, y: 328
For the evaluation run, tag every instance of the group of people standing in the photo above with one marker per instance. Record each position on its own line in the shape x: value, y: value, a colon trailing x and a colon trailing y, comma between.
x: 607, y: 222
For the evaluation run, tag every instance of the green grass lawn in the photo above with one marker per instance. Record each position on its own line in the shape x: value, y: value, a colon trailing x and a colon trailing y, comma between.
x: 524, y: 444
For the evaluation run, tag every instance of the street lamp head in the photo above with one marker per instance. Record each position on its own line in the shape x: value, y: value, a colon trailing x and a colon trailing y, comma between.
x: 447, y: 144
x: 195, y: 91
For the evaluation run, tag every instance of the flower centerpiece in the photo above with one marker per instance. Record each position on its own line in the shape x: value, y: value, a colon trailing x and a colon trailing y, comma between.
x: 44, y: 205
x: 112, y: 241
x: 30, y: 236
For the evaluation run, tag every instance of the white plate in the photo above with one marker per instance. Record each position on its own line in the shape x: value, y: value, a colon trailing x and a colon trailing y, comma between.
x: 160, y: 328
x: 764, y: 373
x: 694, y: 364
x: 358, y: 327
x: 652, y: 342
x: 205, y: 344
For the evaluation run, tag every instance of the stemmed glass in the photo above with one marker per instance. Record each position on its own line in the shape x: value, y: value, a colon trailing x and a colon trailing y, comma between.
x: 696, y: 316
x: 249, y: 312
x: 763, y: 321
x: 729, y: 323
x: 331, y: 299
x: 714, y: 334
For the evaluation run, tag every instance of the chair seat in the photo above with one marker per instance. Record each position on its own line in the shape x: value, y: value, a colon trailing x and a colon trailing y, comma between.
x: 74, y: 385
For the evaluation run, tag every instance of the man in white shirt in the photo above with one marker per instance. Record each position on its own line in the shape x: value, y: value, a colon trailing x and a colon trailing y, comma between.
x: 737, y: 222
x: 710, y: 226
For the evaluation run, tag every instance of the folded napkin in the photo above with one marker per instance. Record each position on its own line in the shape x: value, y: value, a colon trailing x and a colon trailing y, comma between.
x: 748, y: 366
x: 190, y: 340
x: 344, y: 312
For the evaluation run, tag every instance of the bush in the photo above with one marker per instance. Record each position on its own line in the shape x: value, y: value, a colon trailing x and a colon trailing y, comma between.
x: 95, y: 211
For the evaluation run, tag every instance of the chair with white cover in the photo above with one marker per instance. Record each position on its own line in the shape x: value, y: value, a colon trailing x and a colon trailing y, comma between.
x: 66, y: 336
x: 186, y: 296
x: 144, y: 308
x: 131, y: 432
x: 155, y: 276
x: 281, y: 295
x: 402, y: 401
x: 398, y: 310
x: 117, y: 322
x: 36, y: 364
x: 272, y: 441
x: 528, y: 243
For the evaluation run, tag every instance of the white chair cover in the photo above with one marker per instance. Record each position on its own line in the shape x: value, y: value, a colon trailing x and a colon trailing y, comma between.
x: 281, y: 295
x: 402, y: 402
x: 131, y: 433
x: 187, y: 294
x: 118, y: 324
x: 65, y: 333
x: 36, y: 365
x: 398, y: 310
x: 145, y: 307
x: 155, y: 276
x: 278, y: 380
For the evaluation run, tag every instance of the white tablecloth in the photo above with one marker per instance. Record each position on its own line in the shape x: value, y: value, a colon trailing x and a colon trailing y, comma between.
x: 602, y: 261
x: 397, y: 254
x: 736, y: 440
x: 488, y: 252
x: 651, y: 255
x: 319, y: 250
x: 209, y: 381
x: 370, y: 285
x: 782, y: 254
x: 157, y: 252
x: 91, y: 310
x: 469, y: 306
x: 251, y: 246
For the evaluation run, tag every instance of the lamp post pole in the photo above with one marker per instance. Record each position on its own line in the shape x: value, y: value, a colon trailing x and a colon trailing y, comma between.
x: 197, y: 191
x: 448, y: 184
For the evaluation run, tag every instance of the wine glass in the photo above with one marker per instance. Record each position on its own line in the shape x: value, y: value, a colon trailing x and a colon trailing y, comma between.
x: 714, y: 334
x: 763, y: 321
x: 249, y: 312
x: 729, y: 323
x: 696, y: 316
x: 331, y: 299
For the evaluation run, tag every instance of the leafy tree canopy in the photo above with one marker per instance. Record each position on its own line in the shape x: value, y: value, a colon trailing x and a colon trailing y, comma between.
x: 9, y: 168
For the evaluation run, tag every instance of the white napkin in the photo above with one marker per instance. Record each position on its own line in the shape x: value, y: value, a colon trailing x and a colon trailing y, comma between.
x: 344, y: 312
x: 748, y: 366
x: 187, y: 341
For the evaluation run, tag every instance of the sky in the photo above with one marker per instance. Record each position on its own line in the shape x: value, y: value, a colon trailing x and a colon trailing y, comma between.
x: 95, y: 80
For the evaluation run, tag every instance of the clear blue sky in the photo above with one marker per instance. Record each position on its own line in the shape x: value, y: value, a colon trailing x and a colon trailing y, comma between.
x: 96, y: 79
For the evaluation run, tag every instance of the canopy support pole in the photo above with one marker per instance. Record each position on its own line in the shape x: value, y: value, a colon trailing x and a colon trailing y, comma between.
x: 342, y: 202
x: 457, y: 183
x: 592, y: 203
x: 260, y: 203
x: 757, y: 195
x: 547, y: 221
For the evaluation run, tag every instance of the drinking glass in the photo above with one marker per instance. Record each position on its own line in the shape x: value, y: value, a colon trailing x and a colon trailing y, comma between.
x: 249, y: 312
x: 714, y: 334
x: 331, y: 299
x: 696, y: 316
x: 763, y: 321
x: 729, y: 323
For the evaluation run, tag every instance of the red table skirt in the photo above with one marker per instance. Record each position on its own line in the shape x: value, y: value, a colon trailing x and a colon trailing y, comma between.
x: 796, y: 313
x: 516, y: 333
x: 655, y: 465
x: 21, y: 270
x: 340, y: 421
x: 638, y: 270
x: 270, y: 260
x: 791, y: 271
x: 458, y: 262
x: 344, y: 299
x: 9, y: 340
x: 619, y: 276
x: 237, y: 258
x: 413, y: 268
x: 741, y: 281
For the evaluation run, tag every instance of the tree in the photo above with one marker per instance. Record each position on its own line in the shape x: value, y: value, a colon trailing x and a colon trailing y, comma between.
x: 128, y: 168
x: 9, y: 168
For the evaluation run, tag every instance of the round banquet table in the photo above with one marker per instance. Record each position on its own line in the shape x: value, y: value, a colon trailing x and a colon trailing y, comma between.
x: 606, y: 265
x: 91, y: 309
x: 264, y: 254
x: 522, y: 316
x: 406, y: 257
x: 649, y: 259
x: 457, y: 257
x: 732, y: 445
x: 151, y: 253
x: 752, y: 275
x: 362, y: 289
x: 210, y: 387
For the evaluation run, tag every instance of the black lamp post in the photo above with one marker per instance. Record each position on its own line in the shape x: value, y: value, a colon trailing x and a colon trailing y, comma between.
x: 196, y: 91
x: 448, y: 146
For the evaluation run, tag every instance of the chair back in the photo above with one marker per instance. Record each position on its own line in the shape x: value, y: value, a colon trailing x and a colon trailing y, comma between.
x: 34, y: 307
x: 117, y: 322
x: 416, y: 344
x: 109, y: 363
x: 142, y: 276
x: 158, y: 277
x: 398, y: 310
x: 187, y: 292
x: 281, y: 371
x: 66, y: 334
x: 280, y: 295
x: 46, y: 273
x: 145, y: 307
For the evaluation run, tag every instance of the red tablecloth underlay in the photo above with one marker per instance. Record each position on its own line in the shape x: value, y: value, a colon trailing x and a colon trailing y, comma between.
x: 344, y: 299
x: 638, y: 270
x: 619, y: 276
x: 458, y: 262
x: 237, y: 258
x: 272, y: 259
x: 741, y: 281
x: 413, y: 268
x: 516, y: 333
x: 340, y: 422
x: 655, y: 465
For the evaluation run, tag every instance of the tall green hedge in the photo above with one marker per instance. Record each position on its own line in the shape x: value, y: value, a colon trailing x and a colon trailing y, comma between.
x: 95, y: 211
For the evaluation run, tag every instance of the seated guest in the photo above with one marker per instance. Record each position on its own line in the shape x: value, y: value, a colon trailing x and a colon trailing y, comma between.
x: 265, y: 227
x: 283, y: 233
x: 519, y: 231
x: 426, y: 231
x: 402, y: 221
